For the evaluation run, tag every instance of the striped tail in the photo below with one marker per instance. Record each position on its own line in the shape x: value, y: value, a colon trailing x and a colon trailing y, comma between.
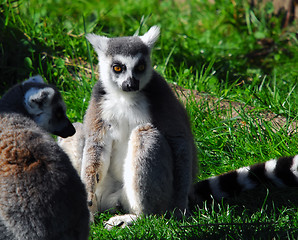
x: 282, y: 172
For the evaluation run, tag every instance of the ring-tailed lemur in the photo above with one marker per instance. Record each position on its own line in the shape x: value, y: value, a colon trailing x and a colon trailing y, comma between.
x: 138, y: 152
x: 41, y: 194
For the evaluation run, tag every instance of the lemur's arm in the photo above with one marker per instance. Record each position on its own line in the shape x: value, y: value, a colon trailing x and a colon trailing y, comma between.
x: 96, y: 153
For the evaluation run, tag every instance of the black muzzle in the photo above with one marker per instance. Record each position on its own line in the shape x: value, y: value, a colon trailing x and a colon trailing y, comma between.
x: 131, y: 85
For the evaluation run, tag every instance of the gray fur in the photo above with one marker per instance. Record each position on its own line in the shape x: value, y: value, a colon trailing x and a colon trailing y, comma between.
x: 74, y: 145
x: 34, y: 79
x: 41, y: 195
x: 126, y: 46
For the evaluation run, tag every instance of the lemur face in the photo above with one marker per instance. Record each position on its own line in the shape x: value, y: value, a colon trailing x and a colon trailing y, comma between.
x: 46, y: 107
x: 124, y: 62
x: 127, y: 73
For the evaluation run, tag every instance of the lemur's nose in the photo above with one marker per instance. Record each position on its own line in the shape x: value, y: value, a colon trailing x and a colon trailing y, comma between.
x: 130, y: 85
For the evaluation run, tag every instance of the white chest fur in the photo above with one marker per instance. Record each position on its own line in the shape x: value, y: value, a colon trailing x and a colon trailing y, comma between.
x: 123, y: 112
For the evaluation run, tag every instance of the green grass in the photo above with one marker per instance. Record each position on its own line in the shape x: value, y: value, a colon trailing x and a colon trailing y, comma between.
x: 225, y: 50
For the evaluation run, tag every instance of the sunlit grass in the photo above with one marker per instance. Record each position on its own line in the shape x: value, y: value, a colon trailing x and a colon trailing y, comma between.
x: 226, y: 50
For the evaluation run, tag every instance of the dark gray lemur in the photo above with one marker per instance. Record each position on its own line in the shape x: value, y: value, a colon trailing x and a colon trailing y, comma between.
x: 41, y: 194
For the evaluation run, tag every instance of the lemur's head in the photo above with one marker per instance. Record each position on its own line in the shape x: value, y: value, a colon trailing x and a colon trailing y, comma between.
x: 124, y: 62
x: 46, y: 107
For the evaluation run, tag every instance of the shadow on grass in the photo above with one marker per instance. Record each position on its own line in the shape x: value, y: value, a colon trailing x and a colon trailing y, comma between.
x: 19, y: 54
x: 242, y: 231
x: 265, y: 213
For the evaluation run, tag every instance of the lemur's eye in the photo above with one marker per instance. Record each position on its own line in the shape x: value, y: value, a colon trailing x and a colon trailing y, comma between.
x: 117, y: 68
x: 141, y: 68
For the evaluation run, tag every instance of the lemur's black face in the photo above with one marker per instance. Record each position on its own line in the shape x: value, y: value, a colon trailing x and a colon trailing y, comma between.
x: 59, y: 123
x: 130, y: 73
x: 46, y: 107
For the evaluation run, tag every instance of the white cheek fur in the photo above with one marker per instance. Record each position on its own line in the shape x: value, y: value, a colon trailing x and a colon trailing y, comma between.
x: 112, y: 82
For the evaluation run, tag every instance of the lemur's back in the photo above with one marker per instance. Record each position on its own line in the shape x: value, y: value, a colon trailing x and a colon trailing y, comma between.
x: 41, y: 195
x: 39, y: 189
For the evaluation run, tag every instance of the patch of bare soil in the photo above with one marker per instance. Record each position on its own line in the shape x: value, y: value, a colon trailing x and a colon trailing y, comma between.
x: 234, y: 108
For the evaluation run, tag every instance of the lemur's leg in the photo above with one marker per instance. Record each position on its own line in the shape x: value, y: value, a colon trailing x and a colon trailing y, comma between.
x: 148, y: 172
x: 73, y: 146
x: 148, y: 176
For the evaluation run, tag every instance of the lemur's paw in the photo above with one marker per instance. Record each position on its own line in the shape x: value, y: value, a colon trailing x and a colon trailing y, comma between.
x: 92, y: 205
x: 120, y: 221
x: 144, y: 127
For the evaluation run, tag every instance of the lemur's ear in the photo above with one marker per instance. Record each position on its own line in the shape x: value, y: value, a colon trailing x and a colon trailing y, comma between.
x: 36, y: 98
x: 99, y: 43
x: 150, y: 37
x: 34, y: 79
